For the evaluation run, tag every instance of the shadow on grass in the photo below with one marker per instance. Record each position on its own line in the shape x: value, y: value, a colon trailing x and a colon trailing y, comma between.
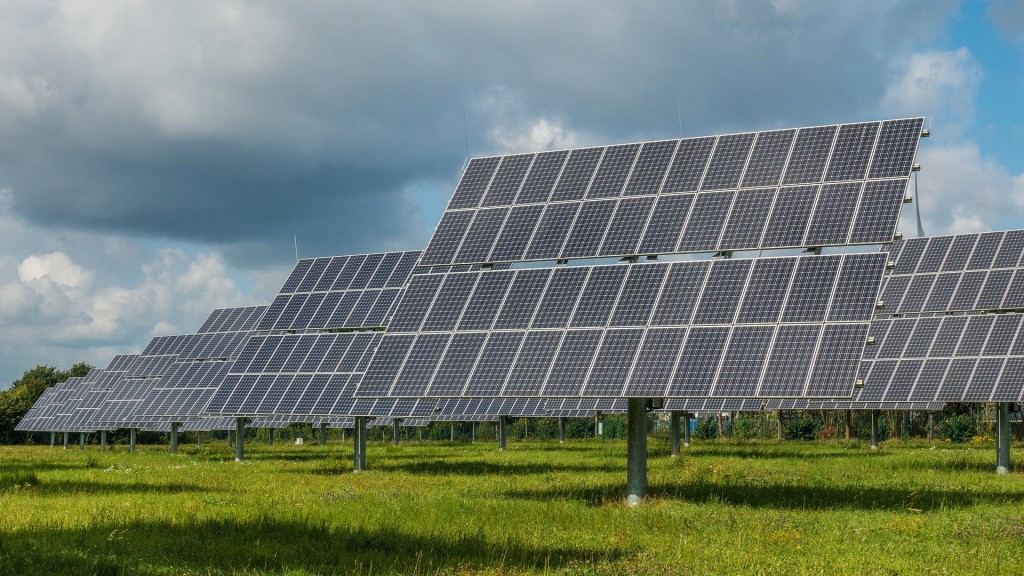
x: 442, y: 467
x: 782, y: 497
x: 58, y: 487
x: 767, y: 452
x: 269, y: 545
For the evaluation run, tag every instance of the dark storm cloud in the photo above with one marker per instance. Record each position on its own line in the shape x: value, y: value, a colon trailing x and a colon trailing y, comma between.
x: 240, y: 124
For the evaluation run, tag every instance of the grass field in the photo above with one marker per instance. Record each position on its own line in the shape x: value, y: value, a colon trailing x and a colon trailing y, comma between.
x: 539, y: 507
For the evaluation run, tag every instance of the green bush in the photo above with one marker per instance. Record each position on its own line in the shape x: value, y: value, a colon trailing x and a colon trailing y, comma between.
x: 744, y: 427
x: 801, y: 427
x: 706, y: 428
x: 884, y: 428
x: 959, y: 427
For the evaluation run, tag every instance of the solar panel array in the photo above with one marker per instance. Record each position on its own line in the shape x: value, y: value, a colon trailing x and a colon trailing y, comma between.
x: 314, y: 373
x: 355, y: 292
x: 754, y: 405
x: 826, y: 185
x: 200, y: 364
x: 949, y: 328
x: 785, y: 326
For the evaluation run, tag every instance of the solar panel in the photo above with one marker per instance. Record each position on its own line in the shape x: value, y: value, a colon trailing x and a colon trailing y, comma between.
x: 953, y: 335
x: 621, y: 315
x: 747, y: 191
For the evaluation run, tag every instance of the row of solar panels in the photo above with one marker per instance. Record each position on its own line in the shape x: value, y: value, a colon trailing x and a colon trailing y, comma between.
x: 556, y: 204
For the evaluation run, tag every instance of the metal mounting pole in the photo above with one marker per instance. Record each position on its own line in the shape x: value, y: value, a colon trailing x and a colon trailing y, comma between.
x: 174, y: 437
x: 931, y: 427
x: 561, y: 429
x: 270, y: 436
x: 323, y: 434
x: 65, y: 440
x: 1003, y: 438
x: 636, y: 451
x: 239, y: 439
x: 359, y: 439
x: 81, y: 440
x: 453, y: 432
x: 501, y: 433
x: 686, y: 430
x: 131, y: 440
x: 103, y: 440
x: 53, y: 439
x: 673, y: 432
x: 395, y: 432
x: 597, y: 425
x: 874, y: 430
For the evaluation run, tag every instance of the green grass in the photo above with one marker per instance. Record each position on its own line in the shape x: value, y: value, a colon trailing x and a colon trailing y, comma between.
x: 539, y: 507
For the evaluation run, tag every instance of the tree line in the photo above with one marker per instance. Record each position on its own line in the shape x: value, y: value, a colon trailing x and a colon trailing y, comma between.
x: 16, y: 401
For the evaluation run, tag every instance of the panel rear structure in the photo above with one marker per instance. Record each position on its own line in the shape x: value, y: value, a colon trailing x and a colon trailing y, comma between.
x: 949, y: 330
x: 775, y: 327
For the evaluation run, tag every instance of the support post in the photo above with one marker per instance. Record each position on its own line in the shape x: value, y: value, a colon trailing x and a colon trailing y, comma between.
x: 673, y: 432
x: 1003, y: 438
x: 931, y: 427
x: 778, y: 431
x: 597, y: 425
x: 323, y: 433
x: 395, y: 432
x: 874, y: 429
x: 81, y: 440
x: 359, y: 440
x: 453, y: 432
x: 270, y: 436
x: 686, y: 430
x: 501, y: 433
x: 231, y: 441
x: 174, y: 437
x: 199, y: 439
x: 636, y: 451
x: 131, y: 440
x: 65, y: 440
x: 849, y: 423
x: 472, y: 432
x: 561, y: 429
x: 239, y: 439
x: 103, y: 440
x: 53, y: 439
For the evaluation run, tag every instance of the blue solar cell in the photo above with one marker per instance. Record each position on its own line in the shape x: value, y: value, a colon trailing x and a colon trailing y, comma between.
x: 507, y: 180
x: 495, y: 361
x: 482, y: 234
x: 833, y: 214
x: 790, y: 360
x: 615, y: 167
x: 768, y: 158
x: 721, y: 296
x: 572, y: 364
x: 728, y: 161
x: 474, y: 183
x: 689, y: 165
x: 627, y: 226
x: 589, y: 229
x: 704, y: 226
x: 812, y: 289
x: 852, y: 152
x: 679, y: 295
x: 542, y: 176
x: 450, y: 301
x: 747, y: 220
x: 810, y: 154
x: 559, y: 301
x: 650, y: 168
x: 522, y: 298
x: 666, y: 224
x: 599, y: 296
x: 654, y: 364
x: 486, y: 300
x: 516, y: 233
x: 698, y: 361
x: 639, y: 294
x: 551, y: 231
x: 744, y: 359
x: 766, y: 291
x: 576, y: 175
x: 613, y: 362
x: 838, y: 360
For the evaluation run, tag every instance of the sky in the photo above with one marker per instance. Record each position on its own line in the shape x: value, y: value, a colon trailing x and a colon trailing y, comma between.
x: 162, y: 159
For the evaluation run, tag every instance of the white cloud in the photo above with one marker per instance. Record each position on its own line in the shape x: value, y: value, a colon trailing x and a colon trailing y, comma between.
x: 56, y: 267
x: 939, y: 84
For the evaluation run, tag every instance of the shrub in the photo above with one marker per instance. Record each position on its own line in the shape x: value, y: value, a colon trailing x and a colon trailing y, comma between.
x: 706, y: 428
x: 959, y: 427
x: 744, y: 427
x: 802, y: 427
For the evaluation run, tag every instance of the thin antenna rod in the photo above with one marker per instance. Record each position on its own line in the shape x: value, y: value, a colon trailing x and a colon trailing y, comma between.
x: 679, y: 114
x: 296, y: 238
x: 917, y: 206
